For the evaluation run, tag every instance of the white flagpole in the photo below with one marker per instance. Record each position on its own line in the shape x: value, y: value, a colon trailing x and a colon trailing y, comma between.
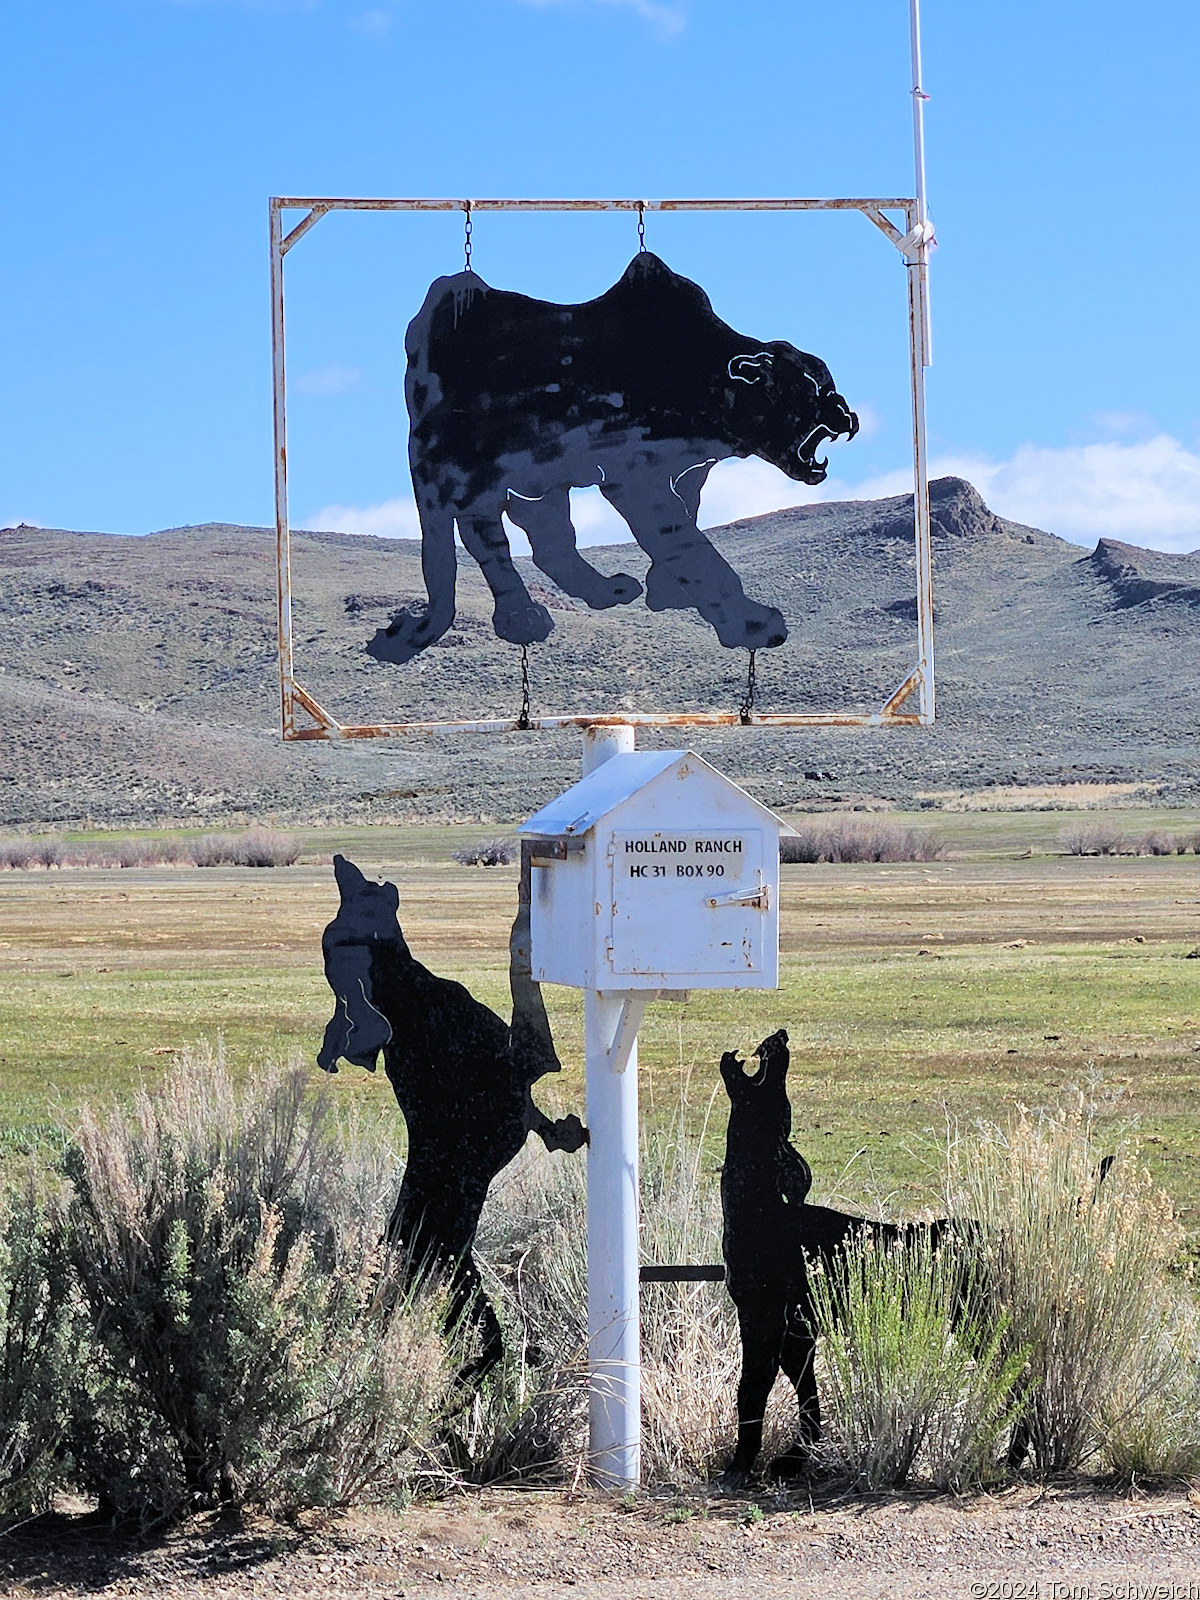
x: 918, y: 100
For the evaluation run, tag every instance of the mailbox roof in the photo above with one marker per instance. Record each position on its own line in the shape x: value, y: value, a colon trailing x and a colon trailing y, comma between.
x: 579, y: 808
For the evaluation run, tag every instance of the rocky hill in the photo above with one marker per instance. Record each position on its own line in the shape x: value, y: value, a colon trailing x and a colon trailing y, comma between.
x: 137, y: 675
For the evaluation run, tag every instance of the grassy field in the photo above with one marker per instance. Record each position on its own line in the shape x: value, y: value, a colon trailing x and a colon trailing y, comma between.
x: 916, y: 995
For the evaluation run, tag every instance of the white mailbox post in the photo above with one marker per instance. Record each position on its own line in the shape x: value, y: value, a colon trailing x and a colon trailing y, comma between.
x: 651, y: 876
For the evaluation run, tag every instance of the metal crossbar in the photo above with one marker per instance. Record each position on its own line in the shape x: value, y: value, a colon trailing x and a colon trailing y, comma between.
x: 682, y: 1274
x: 912, y: 240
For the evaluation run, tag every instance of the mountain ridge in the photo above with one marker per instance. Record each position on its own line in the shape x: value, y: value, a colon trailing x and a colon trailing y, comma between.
x: 138, y: 676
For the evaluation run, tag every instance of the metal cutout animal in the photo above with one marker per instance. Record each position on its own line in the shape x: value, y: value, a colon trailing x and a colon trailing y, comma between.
x: 462, y: 1077
x: 770, y: 1235
x: 513, y: 402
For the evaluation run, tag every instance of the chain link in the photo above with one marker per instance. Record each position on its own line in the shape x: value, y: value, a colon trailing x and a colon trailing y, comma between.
x: 746, y: 709
x: 523, y: 715
x: 468, y: 230
x: 641, y: 205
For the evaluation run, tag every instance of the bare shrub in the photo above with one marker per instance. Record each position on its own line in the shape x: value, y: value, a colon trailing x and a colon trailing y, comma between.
x: 846, y: 841
x: 17, y: 854
x: 251, y: 1341
x: 487, y: 853
x: 48, y: 852
x: 165, y: 852
x: 1092, y: 839
x: 130, y: 853
x: 1155, y: 843
x: 96, y: 856
x: 257, y: 847
x: 1078, y: 1268
x: 212, y: 850
x: 806, y: 846
x: 263, y: 847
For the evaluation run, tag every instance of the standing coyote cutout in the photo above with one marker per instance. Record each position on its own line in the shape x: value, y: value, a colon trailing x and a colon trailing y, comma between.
x: 462, y: 1077
x: 771, y: 1235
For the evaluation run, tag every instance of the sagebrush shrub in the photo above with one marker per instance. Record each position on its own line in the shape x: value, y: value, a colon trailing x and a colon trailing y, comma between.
x: 39, y: 1348
x: 250, y: 1336
x: 1152, y: 1430
x: 917, y: 1369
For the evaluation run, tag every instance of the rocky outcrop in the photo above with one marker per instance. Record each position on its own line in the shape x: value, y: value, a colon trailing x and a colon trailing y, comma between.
x: 1134, y: 576
x: 956, y: 511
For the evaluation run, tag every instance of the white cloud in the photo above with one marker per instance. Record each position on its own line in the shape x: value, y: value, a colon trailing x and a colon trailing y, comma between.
x: 595, y: 520
x: 667, y: 17
x: 1146, y: 493
x: 331, y: 379
x: 749, y: 488
x: 389, y: 519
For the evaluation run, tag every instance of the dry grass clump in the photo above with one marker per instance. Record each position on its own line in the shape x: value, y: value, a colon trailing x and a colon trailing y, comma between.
x: 529, y: 1420
x: 844, y: 841
x: 1077, y: 1266
x: 690, y: 1351
x: 1043, y: 796
x: 488, y: 853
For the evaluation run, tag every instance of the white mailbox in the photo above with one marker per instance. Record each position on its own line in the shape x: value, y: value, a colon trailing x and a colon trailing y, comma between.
x: 655, y: 872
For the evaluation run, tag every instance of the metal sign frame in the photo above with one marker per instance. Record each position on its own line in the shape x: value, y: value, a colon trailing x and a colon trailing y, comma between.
x: 912, y: 240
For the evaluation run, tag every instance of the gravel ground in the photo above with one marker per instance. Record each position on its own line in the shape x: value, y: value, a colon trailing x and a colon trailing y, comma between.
x: 1028, y: 1544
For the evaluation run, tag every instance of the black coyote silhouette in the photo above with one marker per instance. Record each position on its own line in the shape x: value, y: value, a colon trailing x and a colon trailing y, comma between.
x: 512, y: 402
x: 461, y: 1074
x: 770, y: 1233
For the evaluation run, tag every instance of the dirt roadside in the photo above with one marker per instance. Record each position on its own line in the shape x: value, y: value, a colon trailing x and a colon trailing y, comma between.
x: 1028, y: 1544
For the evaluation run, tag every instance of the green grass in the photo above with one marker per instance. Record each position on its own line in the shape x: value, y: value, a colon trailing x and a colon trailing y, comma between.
x: 103, y: 975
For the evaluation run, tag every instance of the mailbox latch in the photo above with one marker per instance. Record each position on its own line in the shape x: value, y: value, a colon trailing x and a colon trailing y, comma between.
x: 757, y: 895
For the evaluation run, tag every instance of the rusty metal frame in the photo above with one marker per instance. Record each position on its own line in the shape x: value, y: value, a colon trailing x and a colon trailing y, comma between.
x: 912, y: 240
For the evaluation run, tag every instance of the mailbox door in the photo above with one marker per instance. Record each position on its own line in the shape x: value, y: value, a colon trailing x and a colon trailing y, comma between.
x: 689, y: 901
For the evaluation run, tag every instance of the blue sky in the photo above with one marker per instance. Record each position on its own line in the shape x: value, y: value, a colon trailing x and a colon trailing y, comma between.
x: 144, y: 137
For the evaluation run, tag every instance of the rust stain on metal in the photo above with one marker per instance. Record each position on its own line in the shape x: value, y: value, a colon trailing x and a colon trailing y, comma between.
x: 328, y: 728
